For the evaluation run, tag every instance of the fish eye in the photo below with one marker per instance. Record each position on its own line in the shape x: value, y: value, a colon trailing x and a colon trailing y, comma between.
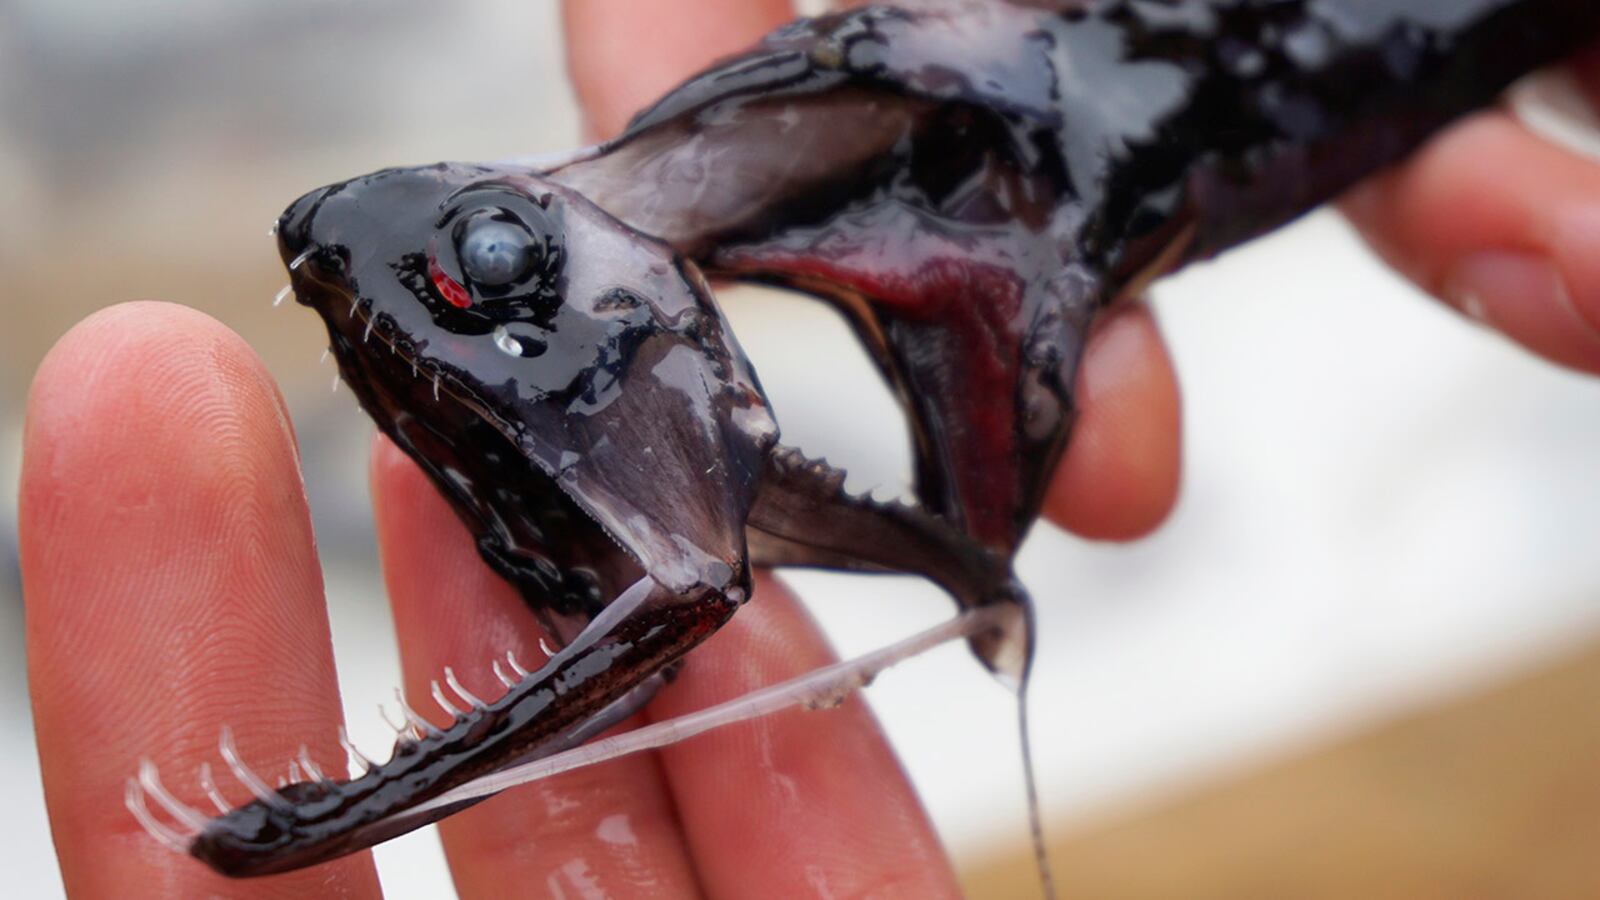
x: 494, y: 252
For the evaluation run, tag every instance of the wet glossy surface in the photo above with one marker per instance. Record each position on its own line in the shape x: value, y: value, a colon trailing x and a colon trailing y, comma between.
x: 972, y: 225
x: 513, y: 402
x: 580, y: 401
x: 1044, y: 158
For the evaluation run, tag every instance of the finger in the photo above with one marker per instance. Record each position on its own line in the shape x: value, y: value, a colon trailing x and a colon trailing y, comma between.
x: 1518, y: 249
x: 172, y: 588
x: 622, y: 54
x: 797, y: 804
x: 1119, y: 477
x: 607, y: 830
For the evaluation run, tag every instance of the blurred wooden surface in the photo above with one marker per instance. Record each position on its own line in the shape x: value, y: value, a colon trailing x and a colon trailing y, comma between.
x: 1493, y: 795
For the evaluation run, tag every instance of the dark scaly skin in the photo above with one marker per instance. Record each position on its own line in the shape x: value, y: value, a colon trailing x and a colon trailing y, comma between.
x: 970, y: 185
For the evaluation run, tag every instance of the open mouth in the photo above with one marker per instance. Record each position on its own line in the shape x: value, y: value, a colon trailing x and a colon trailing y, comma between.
x: 306, y: 821
x: 610, y: 668
x: 309, y: 816
x: 622, y: 515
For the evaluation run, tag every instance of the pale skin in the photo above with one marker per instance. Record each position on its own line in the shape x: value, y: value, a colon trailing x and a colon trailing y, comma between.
x: 172, y: 584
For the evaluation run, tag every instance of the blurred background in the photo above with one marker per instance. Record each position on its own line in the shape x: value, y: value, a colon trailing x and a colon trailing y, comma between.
x: 1362, y: 659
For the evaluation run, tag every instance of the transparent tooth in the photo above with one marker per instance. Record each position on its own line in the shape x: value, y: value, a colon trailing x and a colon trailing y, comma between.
x: 133, y: 799
x: 398, y: 729
x: 436, y: 388
x: 818, y: 689
x: 545, y: 648
x: 273, y: 231
x: 208, y: 785
x: 248, y: 778
x: 366, y: 335
x: 283, y: 292
x: 336, y: 380
x: 350, y: 749
x: 462, y: 692
x: 150, y: 780
x: 300, y: 260
x: 516, y: 666
x: 444, y: 703
x: 312, y: 770
x: 324, y: 357
x: 294, y: 773
x: 500, y: 673
x: 418, y: 723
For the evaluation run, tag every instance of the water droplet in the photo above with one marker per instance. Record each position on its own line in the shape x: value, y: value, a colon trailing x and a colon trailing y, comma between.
x: 520, y: 339
x: 506, y: 342
x: 1042, y: 411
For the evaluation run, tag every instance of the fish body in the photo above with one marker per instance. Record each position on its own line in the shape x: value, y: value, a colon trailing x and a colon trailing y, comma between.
x: 970, y: 183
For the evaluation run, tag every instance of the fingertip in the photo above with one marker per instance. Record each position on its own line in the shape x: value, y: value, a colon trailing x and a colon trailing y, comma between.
x: 1526, y: 297
x: 171, y: 587
x: 1436, y: 206
x: 1519, y: 251
x: 152, y: 412
x: 1119, y: 477
x: 112, y: 365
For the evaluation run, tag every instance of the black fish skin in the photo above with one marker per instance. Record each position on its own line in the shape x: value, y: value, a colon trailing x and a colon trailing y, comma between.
x: 599, y: 431
x: 971, y: 185
x: 1063, y: 154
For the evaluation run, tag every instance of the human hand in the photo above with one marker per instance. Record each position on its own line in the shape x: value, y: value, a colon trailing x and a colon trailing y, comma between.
x: 173, y: 588
x: 1119, y: 477
x: 1502, y: 225
x: 1519, y: 251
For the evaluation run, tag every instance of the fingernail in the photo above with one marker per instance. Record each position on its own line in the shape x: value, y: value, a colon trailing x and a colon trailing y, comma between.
x: 1498, y: 278
x: 1525, y: 296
